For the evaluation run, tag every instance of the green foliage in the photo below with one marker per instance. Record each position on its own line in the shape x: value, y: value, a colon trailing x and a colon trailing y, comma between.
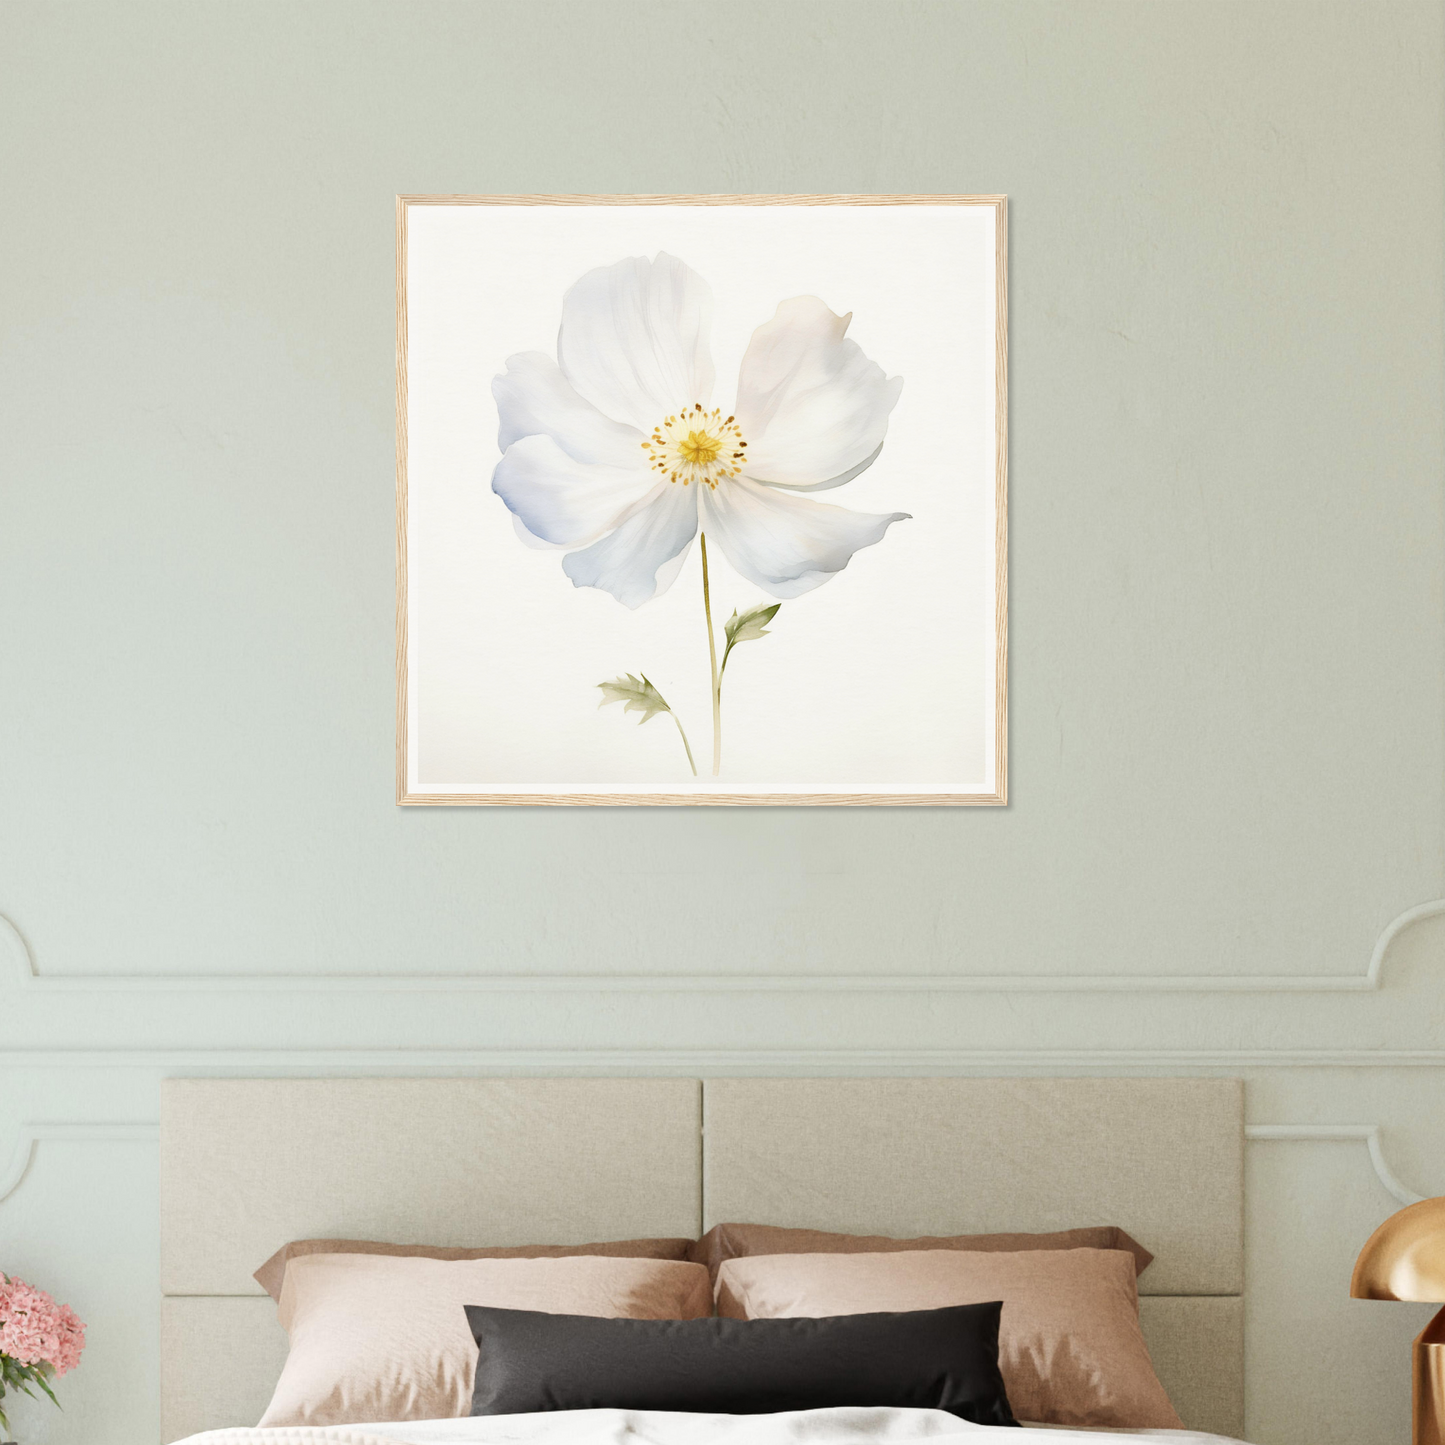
x: 15, y: 1376
x: 747, y: 627
x: 635, y: 694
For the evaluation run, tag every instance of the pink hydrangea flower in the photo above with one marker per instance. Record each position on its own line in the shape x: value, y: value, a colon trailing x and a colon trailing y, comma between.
x: 34, y: 1330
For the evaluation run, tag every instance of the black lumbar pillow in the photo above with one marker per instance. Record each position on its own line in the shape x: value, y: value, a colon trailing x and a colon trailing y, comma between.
x: 935, y: 1359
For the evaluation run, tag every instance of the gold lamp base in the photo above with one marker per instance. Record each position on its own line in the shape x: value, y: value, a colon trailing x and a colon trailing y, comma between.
x: 1428, y: 1357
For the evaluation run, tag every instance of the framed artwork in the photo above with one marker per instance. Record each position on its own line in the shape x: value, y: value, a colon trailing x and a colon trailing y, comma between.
x: 701, y: 500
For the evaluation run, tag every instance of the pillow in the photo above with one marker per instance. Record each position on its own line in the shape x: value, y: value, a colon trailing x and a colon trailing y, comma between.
x: 270, y: 1275
x: 944, y: 1359
x: 1070, y: 1347
x: 382, y: 1337
x: 735, y: 1241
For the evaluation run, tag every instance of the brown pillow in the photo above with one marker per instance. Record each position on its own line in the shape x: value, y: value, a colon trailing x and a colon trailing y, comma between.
x: 738, y: 1241
x: 1069, y: 1347
x: 377, y: 1337
x: 271, y: 1274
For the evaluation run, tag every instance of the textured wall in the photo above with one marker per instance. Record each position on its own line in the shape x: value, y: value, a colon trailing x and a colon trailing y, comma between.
x: 1228, y: 729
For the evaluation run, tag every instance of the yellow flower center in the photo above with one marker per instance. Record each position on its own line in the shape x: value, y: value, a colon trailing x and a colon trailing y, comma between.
x: 700, y: 447
x: 697, y: 446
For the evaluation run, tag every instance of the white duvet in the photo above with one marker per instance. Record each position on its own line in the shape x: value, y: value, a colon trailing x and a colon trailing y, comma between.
x: 846, y: 1425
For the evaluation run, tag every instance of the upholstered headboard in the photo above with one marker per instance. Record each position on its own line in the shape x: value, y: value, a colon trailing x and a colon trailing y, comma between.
x: 248, y: 1164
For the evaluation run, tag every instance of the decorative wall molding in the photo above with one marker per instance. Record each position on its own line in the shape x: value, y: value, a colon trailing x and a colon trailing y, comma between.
x: 17, y: 966
x: 16, y: 963
x: 224, y: 1062
x: 31, y: 1135
x: 1369, y: 1134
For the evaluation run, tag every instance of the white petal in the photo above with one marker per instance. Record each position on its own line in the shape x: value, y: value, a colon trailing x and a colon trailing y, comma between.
x: 812, y: 406
x: 529, y: 539
x: 562, y: 501
x: 634, y: 339
x: 667, y: 573
x: 787, y: 545
x: 534, y: 398
x: 832, y: 481
x: 641, y: 558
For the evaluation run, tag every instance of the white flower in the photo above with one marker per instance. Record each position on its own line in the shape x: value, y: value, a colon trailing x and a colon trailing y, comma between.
x: 614, y: 451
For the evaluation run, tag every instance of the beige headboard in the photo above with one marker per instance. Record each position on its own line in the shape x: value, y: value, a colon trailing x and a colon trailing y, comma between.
x: 248, y: 1164
x: 1163, y: 1158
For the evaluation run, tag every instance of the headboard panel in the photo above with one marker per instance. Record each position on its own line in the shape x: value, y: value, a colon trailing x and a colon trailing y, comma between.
x: 1163, y: 1158
x: 248, y: 1164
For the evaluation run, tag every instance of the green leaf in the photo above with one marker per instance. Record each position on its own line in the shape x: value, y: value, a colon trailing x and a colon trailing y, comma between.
x: 18, y: 1377
x: 747, y: 627
x: 635, y: 694
x: 751, y: 624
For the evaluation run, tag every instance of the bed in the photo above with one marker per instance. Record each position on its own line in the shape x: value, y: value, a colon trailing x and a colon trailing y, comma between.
x: 248, y: 1164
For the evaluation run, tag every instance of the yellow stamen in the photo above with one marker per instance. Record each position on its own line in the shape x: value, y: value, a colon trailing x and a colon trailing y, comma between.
x: 697, y: 445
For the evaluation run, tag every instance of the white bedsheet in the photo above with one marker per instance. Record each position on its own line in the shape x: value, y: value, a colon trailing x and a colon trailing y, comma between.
x: 850, y: 1425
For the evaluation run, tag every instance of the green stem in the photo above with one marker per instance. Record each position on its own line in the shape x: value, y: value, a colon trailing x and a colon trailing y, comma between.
x: 685, y: 744
x: 712, y: 654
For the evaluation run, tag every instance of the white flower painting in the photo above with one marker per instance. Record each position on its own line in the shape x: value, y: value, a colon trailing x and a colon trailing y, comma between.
x: 614, y: 453
x: 665, y: 420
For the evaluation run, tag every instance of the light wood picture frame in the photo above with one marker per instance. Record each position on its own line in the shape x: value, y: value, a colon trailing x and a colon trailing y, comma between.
x: 543, y: 342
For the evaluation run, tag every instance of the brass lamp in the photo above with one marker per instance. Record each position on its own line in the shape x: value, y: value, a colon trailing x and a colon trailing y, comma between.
x: 1404, y: 1259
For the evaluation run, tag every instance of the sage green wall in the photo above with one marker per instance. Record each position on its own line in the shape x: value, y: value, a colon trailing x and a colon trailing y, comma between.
x: 1228, y: 727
